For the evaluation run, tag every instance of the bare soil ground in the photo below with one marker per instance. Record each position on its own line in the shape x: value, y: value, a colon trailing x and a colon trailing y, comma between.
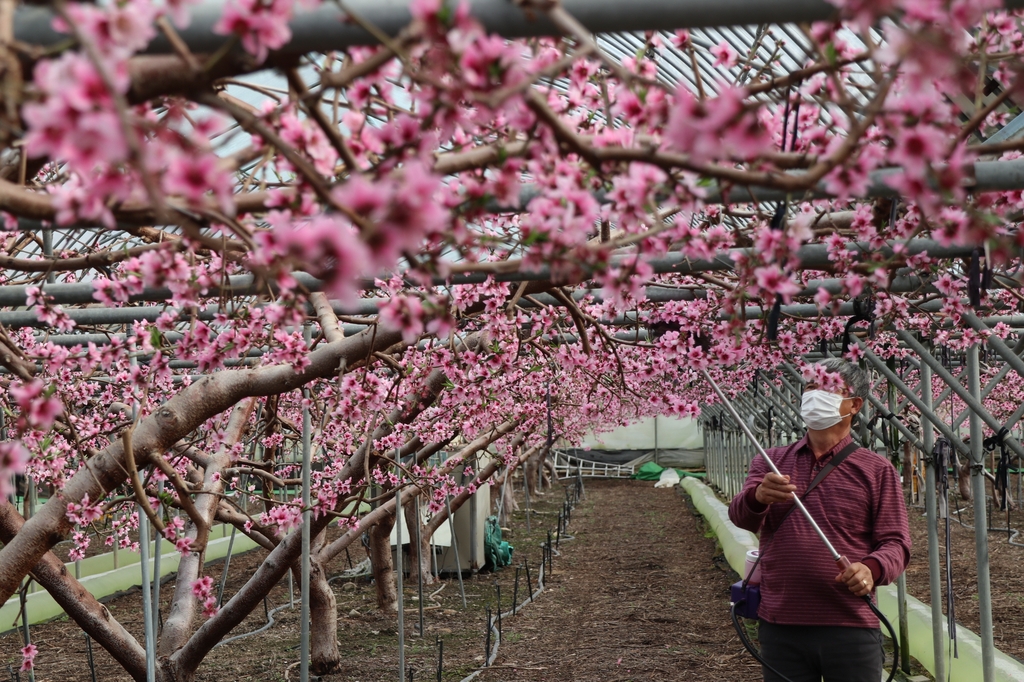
x: 637, y: 595
x: 1005, y: 563
x: 640, y: 594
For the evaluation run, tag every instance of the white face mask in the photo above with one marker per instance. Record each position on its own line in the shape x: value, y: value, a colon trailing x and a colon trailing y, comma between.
x: 820, y: 409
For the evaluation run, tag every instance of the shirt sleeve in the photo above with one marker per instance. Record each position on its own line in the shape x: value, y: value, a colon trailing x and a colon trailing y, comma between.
x: 745, y: 511
x: 891, y: 532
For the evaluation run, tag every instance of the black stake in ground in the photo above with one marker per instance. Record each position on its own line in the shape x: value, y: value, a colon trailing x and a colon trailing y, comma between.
x: 487, y: 637
x: 88, y: 651
x: 529, y: 583
x: 550, y: 557
x: 558, y: 535
x: 440, y: 658
x: 498, y: 589
x: 515, y: 591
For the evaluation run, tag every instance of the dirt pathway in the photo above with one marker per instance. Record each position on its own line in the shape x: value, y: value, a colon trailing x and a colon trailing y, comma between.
x: 638, y: 595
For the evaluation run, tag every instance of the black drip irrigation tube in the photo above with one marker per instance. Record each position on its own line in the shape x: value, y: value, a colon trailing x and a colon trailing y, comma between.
x: 493, y: 632
x: 349, y: 574
x: 573, y: 495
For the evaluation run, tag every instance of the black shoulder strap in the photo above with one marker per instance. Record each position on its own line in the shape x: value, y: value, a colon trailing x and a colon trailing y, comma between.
x: 836, y: 460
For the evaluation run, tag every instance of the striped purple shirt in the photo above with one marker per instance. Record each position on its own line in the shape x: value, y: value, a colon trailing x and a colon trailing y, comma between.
x: 859, y: 507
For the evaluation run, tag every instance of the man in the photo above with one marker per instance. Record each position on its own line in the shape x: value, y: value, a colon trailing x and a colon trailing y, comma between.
x: 813, y: 623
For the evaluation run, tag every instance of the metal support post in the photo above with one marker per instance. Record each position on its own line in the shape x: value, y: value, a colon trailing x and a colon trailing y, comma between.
x: 147, y: 598
x: 931, y: 511
x: 901, y: 581
x: 307, y: 520
x: 399, y: 579
x: 980, y: 523
x: 157, y: 550
x: 419, y: 556
x: 455, y: 545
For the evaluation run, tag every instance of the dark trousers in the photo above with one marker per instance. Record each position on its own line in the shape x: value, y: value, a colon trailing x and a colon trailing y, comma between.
x: 806, y: 653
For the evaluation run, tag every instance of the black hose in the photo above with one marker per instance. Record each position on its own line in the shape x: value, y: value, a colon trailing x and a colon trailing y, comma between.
x: 749, y: 646
x: 892, y: 635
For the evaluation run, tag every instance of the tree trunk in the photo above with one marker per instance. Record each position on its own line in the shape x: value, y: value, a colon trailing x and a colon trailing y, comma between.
x: 324, y: 655
x: 92, y: 616
x: 963, y: 476
x: 541, y: 471
x: 383, y: 564
x: 419, y: 557
x: 531, y: 473
x: 908, y: 470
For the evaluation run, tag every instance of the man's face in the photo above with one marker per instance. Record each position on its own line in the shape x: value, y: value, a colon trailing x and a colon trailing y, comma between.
x: 850, y: 406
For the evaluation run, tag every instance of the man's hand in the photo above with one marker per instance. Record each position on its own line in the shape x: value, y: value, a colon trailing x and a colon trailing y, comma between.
x: 774, y: 488
x: 857, y: 578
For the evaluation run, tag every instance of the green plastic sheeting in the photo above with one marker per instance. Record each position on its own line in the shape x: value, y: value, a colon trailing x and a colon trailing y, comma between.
x: 649, y: 471
x: 497, y: 552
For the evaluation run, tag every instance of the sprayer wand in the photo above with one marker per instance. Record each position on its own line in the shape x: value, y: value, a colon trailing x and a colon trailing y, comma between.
x: 842, y: 562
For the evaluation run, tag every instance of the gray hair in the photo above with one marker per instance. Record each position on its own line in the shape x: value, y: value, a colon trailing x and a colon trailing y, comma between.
x: 856, y: 379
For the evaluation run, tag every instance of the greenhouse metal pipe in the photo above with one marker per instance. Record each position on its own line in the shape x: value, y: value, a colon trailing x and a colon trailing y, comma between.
x: 399, y: 577
x: 16, y: 319
x: 810, y: 257
x: 171, y: 337
x: 980, y: 522
x: 786, y: 401
x: 101, y: 315
x: 13, y: 296
x: 307, y: 520
x: 329, y: 27
x: 971, y: 400
x: 958, y: 419
x: 992, y: 383
x: 780, y: 412
x: 901, y: 579
x: 760, y: 405
x: 900, y: 426
x: 905, y: 390
x: 147, y: 597
x: 997, y: 344
x: 753, y: 414
x: 931, y: 512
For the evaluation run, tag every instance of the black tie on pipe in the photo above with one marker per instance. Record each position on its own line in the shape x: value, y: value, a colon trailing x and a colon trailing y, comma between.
x: 941, y: 456
x: 772, y: 329
x: 974, y: 279
x: 1003, y: 468
x: 863, y: 311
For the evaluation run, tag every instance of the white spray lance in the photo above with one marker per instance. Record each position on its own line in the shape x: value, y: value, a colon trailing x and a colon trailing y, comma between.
x: 841, y: 561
